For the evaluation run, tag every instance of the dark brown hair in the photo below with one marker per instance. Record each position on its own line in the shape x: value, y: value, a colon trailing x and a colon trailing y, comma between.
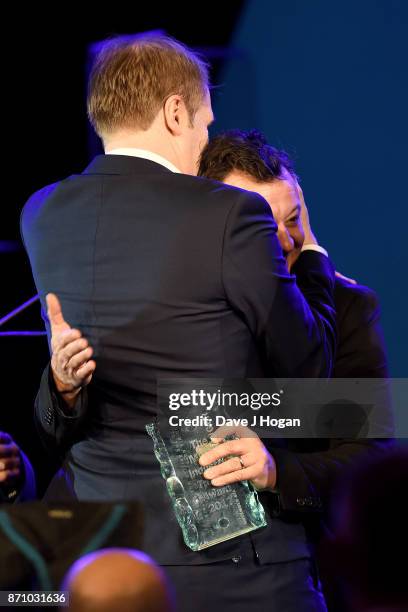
x: 246, y: 152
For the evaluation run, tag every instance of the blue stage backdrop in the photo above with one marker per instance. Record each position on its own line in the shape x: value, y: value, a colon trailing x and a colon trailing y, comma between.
x: 327, y: 81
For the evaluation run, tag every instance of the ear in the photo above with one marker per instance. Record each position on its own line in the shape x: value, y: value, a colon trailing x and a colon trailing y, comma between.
x: 175, y: 114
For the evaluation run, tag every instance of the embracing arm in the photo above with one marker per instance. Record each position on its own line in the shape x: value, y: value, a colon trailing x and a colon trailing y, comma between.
x: 292, y: 317
x: 61, y: 402
x: 56, y: 421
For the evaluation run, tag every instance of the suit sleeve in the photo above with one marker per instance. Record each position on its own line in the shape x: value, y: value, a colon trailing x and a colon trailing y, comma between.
x: 291, y: 317
x: 361, y: 351
x: 56, y: 425
x: 305, y: 479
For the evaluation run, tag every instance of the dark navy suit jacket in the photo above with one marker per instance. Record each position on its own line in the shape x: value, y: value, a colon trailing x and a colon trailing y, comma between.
x: 168, y: 275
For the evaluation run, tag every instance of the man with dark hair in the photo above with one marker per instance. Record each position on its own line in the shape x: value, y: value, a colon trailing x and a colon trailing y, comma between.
x: 304, y: 467
x: 246, y: 160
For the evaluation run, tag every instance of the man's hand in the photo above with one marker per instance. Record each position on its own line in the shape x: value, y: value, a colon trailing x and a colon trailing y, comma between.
x: 247, y: 459
x: 10, y: 459
x: 310, y: 238
x: 71, y: 362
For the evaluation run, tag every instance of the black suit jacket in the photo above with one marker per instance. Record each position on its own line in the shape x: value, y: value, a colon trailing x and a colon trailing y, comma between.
x: 167, y: 275
x: 308, y: 469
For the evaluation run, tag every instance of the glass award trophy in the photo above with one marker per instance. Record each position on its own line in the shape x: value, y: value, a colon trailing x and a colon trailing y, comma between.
x: 206, y: 514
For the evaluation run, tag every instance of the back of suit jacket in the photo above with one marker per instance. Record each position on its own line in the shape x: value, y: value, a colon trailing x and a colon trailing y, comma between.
x: 168, y: 276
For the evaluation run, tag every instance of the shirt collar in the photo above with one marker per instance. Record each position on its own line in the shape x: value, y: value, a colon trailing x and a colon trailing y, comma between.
x: 154, y: 157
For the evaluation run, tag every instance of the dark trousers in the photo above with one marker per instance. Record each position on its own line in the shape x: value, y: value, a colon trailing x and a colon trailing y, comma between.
x: 244, y: 585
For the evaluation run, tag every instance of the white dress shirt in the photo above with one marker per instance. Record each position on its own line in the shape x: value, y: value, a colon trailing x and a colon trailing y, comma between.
x: 144, y: 154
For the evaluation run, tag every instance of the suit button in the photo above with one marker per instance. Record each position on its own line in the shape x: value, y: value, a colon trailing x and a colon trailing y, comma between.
x: 236, y: 559
x: 300, y: 501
